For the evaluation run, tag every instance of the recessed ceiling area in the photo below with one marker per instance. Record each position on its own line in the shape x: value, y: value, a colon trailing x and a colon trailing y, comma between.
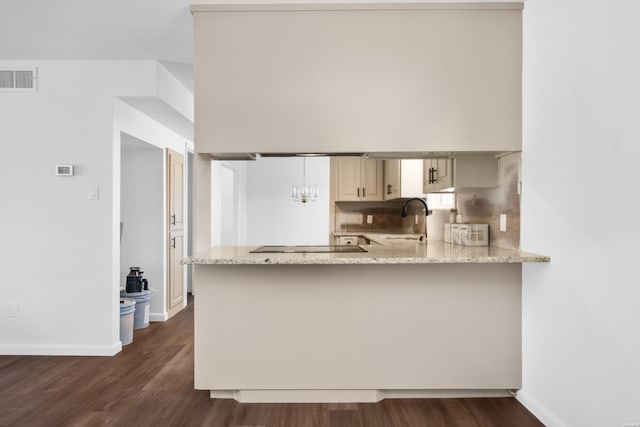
x: 89, y: 30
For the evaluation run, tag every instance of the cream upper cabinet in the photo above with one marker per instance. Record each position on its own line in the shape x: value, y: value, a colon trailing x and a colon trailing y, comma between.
x: 391, y: 179
x: 403, y: 178
x: 438, y: 174
x: 359, y: 179
x: 358, y: 78
x: 461, y: 172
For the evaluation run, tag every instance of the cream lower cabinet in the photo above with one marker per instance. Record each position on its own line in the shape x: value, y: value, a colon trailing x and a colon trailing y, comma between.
x: 359, y: 179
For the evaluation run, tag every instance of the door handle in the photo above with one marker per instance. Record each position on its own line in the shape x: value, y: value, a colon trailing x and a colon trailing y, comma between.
x: 173, y: 219
x: 173, y: 242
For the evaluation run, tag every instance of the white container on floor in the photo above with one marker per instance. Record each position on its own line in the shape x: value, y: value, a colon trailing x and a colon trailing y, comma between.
x: 127, y: 308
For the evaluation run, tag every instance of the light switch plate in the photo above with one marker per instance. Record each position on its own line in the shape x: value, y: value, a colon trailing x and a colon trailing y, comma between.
x: 94, y: 192
x: 13, y: 309
x: 503, y: 222
x: 369, y: 219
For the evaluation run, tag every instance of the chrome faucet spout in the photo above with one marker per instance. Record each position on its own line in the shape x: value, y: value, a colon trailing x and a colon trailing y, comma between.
x: 426, y: 211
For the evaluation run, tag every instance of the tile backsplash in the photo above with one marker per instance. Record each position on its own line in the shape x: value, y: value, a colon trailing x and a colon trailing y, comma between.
x: 483, y: 206
x: 387, y: 218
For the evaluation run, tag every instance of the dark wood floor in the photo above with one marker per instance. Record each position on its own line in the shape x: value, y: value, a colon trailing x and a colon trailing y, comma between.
x: 151, y: 383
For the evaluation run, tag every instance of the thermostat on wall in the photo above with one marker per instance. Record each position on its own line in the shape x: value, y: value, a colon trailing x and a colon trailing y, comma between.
x: 64, y: 170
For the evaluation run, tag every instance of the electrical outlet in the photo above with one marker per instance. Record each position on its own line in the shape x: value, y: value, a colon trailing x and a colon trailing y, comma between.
x: 503, y: 222
x: 13, y: 309
x: 369, y: 219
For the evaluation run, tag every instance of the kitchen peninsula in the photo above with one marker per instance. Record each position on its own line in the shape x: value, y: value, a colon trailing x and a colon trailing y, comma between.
x: 415, y: 320
x: 403, y: 80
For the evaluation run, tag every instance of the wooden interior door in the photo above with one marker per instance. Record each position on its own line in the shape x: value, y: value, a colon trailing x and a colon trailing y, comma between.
x: 175, y: 231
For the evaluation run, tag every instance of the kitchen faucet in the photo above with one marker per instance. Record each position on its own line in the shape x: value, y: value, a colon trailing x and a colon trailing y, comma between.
x: 426, y: 212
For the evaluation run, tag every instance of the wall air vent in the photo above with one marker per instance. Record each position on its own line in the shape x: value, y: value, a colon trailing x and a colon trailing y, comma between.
x: 18, y: 80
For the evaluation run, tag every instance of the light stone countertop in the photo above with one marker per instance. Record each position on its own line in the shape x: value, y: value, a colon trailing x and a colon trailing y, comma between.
x: 431, y: 252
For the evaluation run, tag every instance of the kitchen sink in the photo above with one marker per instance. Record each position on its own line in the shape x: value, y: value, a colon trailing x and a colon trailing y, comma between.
x: 308, y: 249
x: 395, y: 239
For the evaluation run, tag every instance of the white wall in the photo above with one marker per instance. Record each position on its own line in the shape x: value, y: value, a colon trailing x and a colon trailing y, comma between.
x: 220, y: 199
x: 272, y: 217
x: 142, y: 214
x: 266, y: 214
x: 60, y: 258
x: 581, y: 315
x: 56, y: 259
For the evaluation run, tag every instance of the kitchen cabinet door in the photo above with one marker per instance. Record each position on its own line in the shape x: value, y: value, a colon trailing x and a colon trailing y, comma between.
x: 462, y: 172
x: 438, y: 174
x: 349, y: 176
x: 391, y: 179
x: 403, y: 178
x: 372, y: 172
x: 359, y: 179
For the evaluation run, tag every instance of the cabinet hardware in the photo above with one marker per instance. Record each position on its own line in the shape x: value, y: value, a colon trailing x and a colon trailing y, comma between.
x: 358, y: 191
x: 173, y: 242
x: 389, y: 188
x: 430, y: 175
x: 435, y: 177
x: 173, y: 219
x: 364, y: 192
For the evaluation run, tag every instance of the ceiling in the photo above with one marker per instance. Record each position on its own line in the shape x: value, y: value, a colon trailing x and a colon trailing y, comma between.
x: 109, y: 29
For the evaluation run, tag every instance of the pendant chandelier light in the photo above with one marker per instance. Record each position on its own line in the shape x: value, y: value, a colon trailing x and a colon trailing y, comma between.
x: 304, y: 193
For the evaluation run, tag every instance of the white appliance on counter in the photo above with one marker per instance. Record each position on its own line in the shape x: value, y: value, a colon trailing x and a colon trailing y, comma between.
x: 467, y: 234
x: 447, y: 232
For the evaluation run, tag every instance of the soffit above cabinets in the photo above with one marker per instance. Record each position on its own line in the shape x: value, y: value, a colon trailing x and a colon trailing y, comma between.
x: 358, y: 78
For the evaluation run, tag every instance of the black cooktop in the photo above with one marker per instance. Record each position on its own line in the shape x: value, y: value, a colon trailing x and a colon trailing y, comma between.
x: 308, y: 249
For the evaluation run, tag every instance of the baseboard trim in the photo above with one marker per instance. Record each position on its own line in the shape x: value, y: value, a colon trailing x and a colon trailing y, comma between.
x: 346, y: 396
x: 158, y: 317
x: 60, y: 350
x: 443, y: 393
x: 547, y: 417
x: 298, y: 396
